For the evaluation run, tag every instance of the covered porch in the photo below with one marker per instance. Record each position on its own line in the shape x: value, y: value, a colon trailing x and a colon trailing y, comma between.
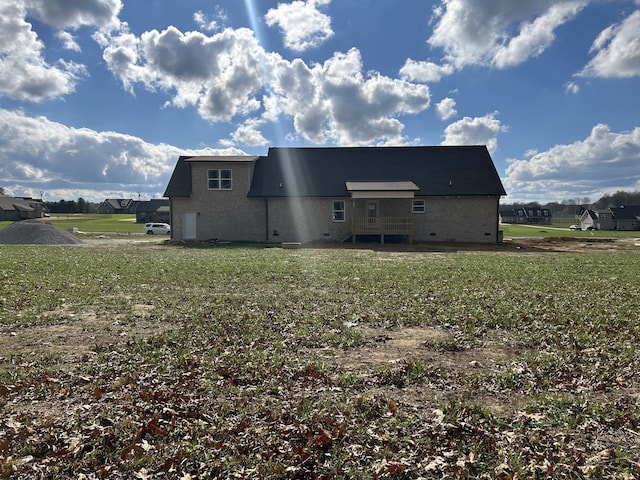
x: 382, y: 208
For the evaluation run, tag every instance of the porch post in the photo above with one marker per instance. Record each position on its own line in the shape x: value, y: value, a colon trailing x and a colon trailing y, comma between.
x: 411, y: 221
x: 353, y: 220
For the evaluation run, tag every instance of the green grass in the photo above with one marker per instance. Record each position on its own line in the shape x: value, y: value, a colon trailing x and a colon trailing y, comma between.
x: 97, y: 223
x: 125, y: 224
x: 531, y: 231
x: 93, y: 223
x: 221, y: 362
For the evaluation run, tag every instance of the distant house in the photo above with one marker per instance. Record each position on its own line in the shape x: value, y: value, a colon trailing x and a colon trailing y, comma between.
x: 443, y: 193
x: 615, y: 218
x: 156, y: 210
x: 525, y: 215
x: 17, y: 208
x: 118, y: 205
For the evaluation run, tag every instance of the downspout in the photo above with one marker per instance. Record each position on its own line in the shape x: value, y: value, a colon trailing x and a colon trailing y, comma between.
x: 171, y: 222
x: 266, y: 217
x: 498, y: 221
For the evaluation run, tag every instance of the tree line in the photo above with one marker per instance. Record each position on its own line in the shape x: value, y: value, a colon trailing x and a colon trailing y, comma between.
x: 573, y: 206
x: 576, y: 206
x: 72, y: 206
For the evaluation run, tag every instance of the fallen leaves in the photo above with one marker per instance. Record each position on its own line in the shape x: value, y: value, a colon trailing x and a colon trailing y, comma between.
x: 249, y: 383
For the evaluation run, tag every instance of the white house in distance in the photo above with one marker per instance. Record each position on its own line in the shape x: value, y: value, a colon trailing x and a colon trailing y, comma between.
x: 412, y: 194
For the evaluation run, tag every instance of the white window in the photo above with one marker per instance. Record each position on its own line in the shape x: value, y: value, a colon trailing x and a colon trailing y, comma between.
x: 219, y: 179
x: 338, y: 210
x: 418, y: 206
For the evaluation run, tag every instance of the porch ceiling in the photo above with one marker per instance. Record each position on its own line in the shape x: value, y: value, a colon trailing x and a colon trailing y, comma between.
x: 382, y: 189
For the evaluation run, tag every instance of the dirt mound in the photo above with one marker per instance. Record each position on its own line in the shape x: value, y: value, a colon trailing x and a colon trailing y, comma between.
x: 35, y: 232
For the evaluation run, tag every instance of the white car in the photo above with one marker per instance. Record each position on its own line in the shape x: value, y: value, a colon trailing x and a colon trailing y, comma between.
x: 574, y: 227
x: 157, y: 228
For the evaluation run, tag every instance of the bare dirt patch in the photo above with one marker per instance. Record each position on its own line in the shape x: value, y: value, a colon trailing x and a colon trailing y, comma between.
x: 573, y: 244
x: 66, y: 337
x: 442, y: 354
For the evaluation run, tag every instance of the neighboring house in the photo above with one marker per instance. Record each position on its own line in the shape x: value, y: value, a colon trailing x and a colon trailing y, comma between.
x: 589, y: 220
x: 525, y: 215
x: 627, y: 217
x: 16, y: 208
x: 156, y: 210
x: 444, y: 193
x: 615, y: 218
x: 118, y: 205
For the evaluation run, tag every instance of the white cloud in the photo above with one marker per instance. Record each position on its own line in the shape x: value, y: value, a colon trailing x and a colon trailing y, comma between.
x: 426, y: 72
x: 500, y: 33
x: 219, y: 74
x: 572, y: 87
x: 446, y: 108
x: 617, y: 50
x: 249, y: 134
x: 535, y: 36
x: 63, y: 14
x: 69, y: 41
x: 47, y: 156
x: 475, y: 131
x: 207, y: 23
x: 603, y: 162
x: 335, y: 101
x: 301, y: 23
x: 24, y: 72
x: 229, y: 76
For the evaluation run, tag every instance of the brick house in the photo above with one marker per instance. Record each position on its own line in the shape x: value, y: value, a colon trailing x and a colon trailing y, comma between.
x: 440, y: 193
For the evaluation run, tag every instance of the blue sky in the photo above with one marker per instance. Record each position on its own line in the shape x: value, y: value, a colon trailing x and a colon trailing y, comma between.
x: 99, y: 98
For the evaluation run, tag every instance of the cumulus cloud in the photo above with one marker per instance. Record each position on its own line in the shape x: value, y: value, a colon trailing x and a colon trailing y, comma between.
x: 249, y: 134
x: 617, y: 50
x: 24, y: 72
x: 500, y: 33
x: 228, y: 76
x: 218, y: 74
x: 69, y: 41
x: 603, y: 162
x: 336, y: 101
x: 63, y: 14
x: 426, y: 72
x: 446, y: 108
x: 45, y: 155
x: 475, y: 131
x: 301, y: 23
x: 211, y: 24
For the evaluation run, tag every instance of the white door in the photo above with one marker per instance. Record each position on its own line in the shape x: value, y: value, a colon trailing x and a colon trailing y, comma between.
x: 189, y: 225
x: 373, y: 207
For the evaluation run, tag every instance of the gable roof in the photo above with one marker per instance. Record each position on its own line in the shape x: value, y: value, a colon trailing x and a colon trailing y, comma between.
x: 13, y: 203
x: 153, y: 205
x: 629, y: 212
x: 180, y: 182
x: 120, y: 203
x: 523, y: 211
x: 325, y: 171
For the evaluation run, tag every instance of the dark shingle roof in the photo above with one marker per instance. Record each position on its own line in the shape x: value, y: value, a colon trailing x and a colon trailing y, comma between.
x: 322, y: 172
x: 629, y: 212
x: 153, y: 205
x: 180, y: 182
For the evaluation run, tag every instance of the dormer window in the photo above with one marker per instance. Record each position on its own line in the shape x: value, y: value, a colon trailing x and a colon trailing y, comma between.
x: 219, y: 179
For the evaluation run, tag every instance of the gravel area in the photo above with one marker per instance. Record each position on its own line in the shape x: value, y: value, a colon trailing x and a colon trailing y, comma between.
x: 35, y: 232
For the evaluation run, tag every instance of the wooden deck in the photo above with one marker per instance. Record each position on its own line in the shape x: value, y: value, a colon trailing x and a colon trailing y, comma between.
x: 382, y: 226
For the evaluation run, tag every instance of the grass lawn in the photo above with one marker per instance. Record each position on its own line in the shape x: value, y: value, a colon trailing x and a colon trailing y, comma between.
x: 94, y: 223
x: 128, y: 360
x: 527, y: 231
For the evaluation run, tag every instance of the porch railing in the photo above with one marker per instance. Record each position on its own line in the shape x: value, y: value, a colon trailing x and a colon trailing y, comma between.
x: 382, y: 226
